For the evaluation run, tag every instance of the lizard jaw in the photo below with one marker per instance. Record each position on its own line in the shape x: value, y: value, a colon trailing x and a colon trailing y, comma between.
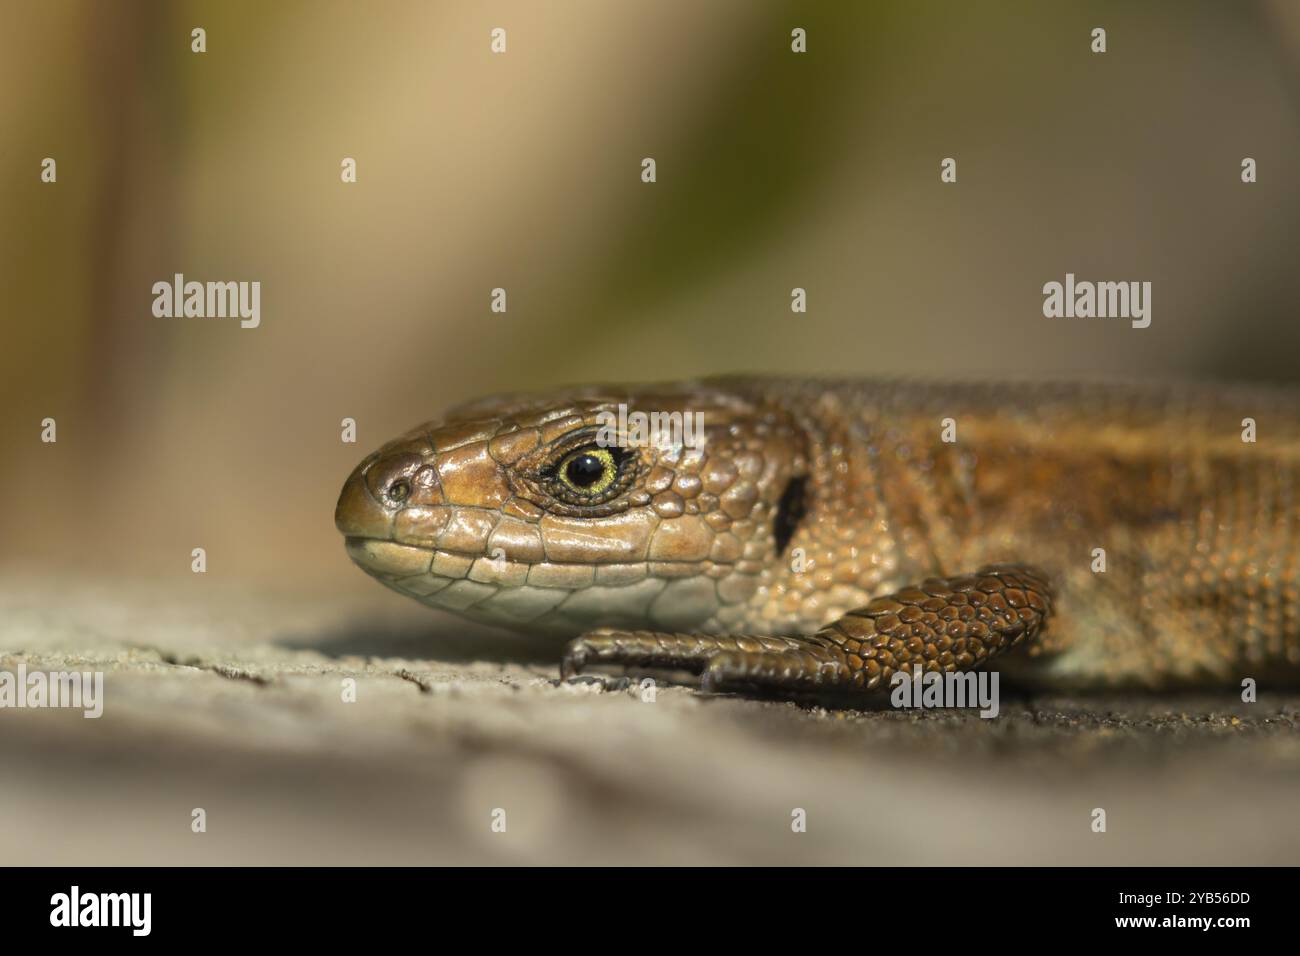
x: 492, y: 566
x: 471, y: 514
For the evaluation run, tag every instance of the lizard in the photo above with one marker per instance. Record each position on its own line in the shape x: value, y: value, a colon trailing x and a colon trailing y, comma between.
x: 817, y: 537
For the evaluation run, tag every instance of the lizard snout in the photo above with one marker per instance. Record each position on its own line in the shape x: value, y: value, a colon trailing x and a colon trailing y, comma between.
x: 377, y: 490
x: 386, y: 497
x: 357, y: 514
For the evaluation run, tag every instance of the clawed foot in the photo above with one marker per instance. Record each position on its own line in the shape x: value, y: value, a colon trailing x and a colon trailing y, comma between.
x: 946, y: 624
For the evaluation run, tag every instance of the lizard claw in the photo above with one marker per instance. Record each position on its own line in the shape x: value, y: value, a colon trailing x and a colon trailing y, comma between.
x: 574, y: 660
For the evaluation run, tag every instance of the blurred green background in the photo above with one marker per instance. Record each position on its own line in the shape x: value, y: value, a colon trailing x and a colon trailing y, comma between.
x: 522, y: 171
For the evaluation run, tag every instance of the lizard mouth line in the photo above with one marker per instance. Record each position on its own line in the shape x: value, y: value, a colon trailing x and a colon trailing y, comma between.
x: 358, y: 542
x: 361, y: 540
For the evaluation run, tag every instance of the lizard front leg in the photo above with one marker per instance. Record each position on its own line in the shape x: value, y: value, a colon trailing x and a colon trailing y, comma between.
x: 661, y: 651
x: 944, y: 624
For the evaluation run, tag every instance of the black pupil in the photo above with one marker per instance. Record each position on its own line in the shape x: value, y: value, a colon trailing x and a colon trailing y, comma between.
x: 585, y: 470
x: 399, y: 490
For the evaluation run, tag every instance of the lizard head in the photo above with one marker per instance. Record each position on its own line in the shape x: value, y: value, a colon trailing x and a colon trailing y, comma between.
x: 662, y: 507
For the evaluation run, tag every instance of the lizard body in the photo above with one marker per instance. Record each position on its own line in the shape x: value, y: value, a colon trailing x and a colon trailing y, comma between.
x: 825, y: 534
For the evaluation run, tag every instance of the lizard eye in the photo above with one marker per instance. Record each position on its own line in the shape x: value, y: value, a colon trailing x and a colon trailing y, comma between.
x: 581, y: 476
x: 588, y: 471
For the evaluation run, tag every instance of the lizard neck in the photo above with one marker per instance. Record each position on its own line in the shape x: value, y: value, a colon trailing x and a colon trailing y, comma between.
x: 883, y: 507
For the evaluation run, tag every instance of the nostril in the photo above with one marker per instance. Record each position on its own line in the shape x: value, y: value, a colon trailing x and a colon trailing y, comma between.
x: 390, y: 478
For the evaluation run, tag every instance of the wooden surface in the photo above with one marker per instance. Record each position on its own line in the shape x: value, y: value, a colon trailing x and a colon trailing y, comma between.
x: 231, y: 700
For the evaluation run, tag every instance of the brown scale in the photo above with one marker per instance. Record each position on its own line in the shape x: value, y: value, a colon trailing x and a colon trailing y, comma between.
x: 947, y: 624
x: 1199, y: 529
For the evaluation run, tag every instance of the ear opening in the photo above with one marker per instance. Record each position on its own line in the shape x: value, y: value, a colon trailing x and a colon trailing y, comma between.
x: 790, y: 511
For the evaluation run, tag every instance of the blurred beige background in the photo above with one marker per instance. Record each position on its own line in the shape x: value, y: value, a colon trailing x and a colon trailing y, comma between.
x: 522, y: 171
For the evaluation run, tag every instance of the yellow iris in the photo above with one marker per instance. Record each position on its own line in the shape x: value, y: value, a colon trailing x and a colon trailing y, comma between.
x: 589, y: 471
